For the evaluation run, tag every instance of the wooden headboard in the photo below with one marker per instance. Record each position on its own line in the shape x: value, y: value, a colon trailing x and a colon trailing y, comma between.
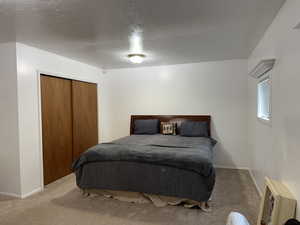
x: 171, y: 118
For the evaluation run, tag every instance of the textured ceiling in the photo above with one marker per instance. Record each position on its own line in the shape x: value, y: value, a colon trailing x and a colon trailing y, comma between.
x: 7, y: 21
x: 175, y: 31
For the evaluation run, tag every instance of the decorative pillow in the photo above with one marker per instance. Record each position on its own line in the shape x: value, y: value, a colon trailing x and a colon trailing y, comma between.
x: 168, y: 128
x: 194, y: 129
x: 148, y: 126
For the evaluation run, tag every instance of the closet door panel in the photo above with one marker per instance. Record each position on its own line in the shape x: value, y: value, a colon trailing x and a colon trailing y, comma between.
x: 56, y: 105
x: 85, y: 116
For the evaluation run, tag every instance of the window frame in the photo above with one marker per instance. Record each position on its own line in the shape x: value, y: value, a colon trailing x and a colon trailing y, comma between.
x: 268, y: 77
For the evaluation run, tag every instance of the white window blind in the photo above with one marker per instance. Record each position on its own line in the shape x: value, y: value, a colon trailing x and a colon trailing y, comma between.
x: 263, y: 101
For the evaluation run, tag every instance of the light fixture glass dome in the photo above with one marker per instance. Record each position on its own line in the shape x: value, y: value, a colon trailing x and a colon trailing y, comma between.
x: 136, y: 58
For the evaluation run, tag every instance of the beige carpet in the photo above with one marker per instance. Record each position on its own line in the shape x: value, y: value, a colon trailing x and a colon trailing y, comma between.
x: 62, y: 204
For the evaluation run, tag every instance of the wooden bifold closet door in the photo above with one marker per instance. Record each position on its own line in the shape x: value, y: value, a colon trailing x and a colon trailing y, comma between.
x: 69, y: 123
x: 56, y: 127
x: 85, y: 119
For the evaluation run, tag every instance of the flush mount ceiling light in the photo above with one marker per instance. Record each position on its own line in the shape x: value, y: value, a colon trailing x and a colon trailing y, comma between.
x: 136, y: 53
x: 136, y: 58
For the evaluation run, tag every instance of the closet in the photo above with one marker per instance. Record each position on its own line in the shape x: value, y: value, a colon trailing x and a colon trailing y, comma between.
x: 69, y: 123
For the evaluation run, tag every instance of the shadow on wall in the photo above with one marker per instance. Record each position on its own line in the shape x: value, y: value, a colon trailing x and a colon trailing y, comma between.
x: 220, y: 152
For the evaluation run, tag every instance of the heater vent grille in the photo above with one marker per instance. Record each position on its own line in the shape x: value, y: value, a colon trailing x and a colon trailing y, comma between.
x: 262, y: 67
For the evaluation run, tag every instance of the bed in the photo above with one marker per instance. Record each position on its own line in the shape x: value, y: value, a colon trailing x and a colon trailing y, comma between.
x: 168, y: 165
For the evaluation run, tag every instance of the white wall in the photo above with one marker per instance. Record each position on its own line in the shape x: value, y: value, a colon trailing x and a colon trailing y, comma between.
x: 9, y: 151
x: 218, y: 89
x: 275, y: 148
x: 29, y: 61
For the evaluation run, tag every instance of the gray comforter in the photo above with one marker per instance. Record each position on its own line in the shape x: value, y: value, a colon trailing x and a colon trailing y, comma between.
x: 188, y: 153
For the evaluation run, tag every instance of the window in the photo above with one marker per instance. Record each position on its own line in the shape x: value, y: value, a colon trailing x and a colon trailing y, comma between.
x: 264, y: 99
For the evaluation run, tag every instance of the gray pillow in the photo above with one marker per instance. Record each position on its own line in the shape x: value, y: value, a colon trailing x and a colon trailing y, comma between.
x: 194, y: 129
x: 150, y: 126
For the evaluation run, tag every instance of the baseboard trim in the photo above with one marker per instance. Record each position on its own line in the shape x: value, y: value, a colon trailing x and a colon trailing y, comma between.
x: 31, y: 193
x: 23, y: 195
x: 231, y: 167
x: 10, y: 194
x: 255, y: 183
